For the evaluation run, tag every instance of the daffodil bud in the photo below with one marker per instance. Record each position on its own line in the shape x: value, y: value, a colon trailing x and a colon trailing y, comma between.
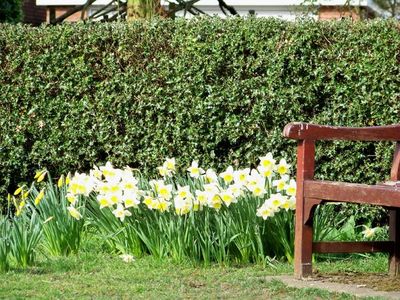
x: 42, y: 176
x: 60, y: 182
x: 18, y: 190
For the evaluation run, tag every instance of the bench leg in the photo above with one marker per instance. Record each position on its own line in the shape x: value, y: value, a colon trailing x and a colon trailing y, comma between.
x: 394, y: 235
x: 303, y: 243
x: 303, y: 229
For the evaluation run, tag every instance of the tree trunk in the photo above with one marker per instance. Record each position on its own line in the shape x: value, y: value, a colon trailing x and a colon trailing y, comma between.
x: 142, y: 9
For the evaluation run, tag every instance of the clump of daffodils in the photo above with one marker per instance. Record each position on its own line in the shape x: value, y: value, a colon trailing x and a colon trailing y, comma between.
x: 120, y: 191
x: 20, y: 195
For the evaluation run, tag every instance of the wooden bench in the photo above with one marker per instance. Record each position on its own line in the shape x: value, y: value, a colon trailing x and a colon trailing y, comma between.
x: 311, y: 192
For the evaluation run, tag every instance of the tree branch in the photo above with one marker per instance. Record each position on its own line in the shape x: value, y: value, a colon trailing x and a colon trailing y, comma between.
x: 222, y: 4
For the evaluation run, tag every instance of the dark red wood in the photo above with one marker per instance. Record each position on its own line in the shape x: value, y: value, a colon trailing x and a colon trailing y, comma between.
x: 394, y: 219
x: 310, y: 205
x: 382, y: 195
x: 303, y: 131
x: 353, y: 247
x: 313, y: 192
x: 303, y: 232
x: 395, y: 171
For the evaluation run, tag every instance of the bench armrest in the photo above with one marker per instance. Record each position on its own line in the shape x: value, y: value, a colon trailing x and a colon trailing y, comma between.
x: 305, y: 131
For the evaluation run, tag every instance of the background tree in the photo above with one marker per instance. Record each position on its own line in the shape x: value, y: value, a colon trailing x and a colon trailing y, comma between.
x: 10, y: 11
x: 140, y: 9
x: 390, y: 6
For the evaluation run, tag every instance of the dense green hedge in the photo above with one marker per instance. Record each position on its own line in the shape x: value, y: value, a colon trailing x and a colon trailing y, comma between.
x: 213, y: 90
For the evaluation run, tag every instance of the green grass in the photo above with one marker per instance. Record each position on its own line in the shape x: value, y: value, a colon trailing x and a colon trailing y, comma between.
x: 104, y: 276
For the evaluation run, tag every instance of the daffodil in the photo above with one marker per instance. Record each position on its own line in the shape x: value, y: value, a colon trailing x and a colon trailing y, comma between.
x: 290, y: 203
x: 265, y: 211
x: 130, y: 200
x: 165, y: 191
x: 127, y: 258
x: 281, y: 183
x: 291, y: 188
x: 25, y: 195
x: 81, y: 184
x: 183, y: 192
x: 169, y: 164
x: 71, y: 198
x: 369, y: 232
x: 228, y: 175
x: 236, y: 190
x: 115, y: 188
x: 164, y: 171
x: 215, y: 201
x: 227, y: 198
x: 42, y: 176
x: 96, y: 172
x: 210, y: 176
x: 267, y: 160
x: 68, y: 179
x: 130, y: 185
x: 150, y: 202
x: 258, y: 190
x: 162, y: 205
x: 254, y: 179
x: 182, y: 205
x: 19, y: 190
x: 104, y: 201
x: 201, y: 197
x: 240, y: 176
x: 18, y: 212
x: 277, y: 200
x: 212, y: 188
x: 104, y: 188
x: 115, y: 198
x: 266, y: 171
x: 39, y: 197
x: 60, y: 181
x: 110, y: 173
x: 74, y: 212
x: 156, y: 184
x: 194, y: 170
x: 283, y: 167
x: 120, y: 212
x: 196, y: 206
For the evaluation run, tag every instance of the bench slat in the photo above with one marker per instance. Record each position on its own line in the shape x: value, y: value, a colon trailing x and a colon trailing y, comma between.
x: 382, y: 195
x: 353, y: 247
x: 303, y: 131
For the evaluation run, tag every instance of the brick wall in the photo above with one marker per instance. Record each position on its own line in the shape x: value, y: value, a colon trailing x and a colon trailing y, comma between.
x: 33, y: 14
x: 337, y: 13
x: 56, y: 11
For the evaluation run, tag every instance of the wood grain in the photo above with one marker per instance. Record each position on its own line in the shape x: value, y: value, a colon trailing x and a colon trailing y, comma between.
x: 303, y: 131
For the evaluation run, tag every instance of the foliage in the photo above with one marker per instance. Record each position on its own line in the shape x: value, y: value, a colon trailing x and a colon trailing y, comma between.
x: 4, y: 243
x: 203, y: 217
x: 10, y: 11
x: 216, y: 90
x: 61, y: 234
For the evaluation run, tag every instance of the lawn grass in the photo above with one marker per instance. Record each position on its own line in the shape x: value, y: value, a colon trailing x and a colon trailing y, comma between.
x: 103, y: 276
